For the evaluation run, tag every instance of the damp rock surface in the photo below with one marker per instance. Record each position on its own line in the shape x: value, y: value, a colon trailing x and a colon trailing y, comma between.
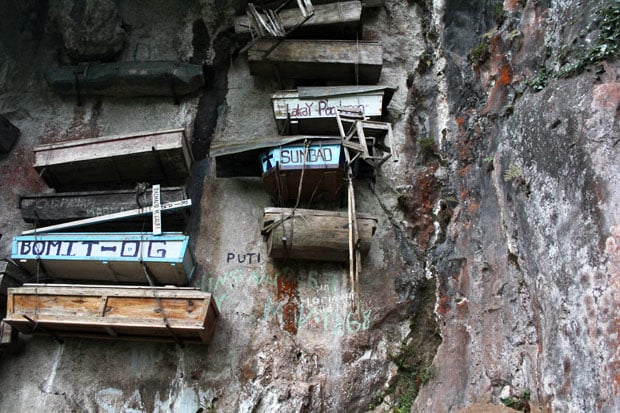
x: 492, y: 278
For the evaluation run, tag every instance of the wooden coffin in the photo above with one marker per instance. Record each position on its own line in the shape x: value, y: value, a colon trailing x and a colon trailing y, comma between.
x: 8, y: 134
x: 113, y: 312
x: 10, y: 276
x: 316, y: 235
x: 310, y: 110
x: 116, y: 161
x: 135, y: 78
x: 317, y: 165
x: 339, y: 20
x: 356, y: 62
x: 242, y: 158
x: 108, y: 257
x: 52, y: 209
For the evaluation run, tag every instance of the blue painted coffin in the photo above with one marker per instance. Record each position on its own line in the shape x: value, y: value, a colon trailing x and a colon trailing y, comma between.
x: 322, y: 163
x: 110, y: 257
x: 297, y: 156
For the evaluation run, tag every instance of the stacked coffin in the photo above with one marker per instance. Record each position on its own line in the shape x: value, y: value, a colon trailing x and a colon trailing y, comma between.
x: 102, y: 230
x: 311, y: 161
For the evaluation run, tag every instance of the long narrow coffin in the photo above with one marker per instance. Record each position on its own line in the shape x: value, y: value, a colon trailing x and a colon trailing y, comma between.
x: 334, y: 20
x: 118, y: 161
x: 113, y: 312
x: 312, y: 110
x: 135, y: 78
x: 308, y: 171
x: 355, y: 62
x: 316, y: 235
x: 52, y: 209
x: 108, y: 257
x: 8, y: 134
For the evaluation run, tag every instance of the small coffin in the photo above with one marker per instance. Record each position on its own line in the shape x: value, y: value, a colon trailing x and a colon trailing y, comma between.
x: 334, y: 20
x: 52, y: 209
x: 113, y: 312
x: 316, y: 235
x: 309, y: 110
x: 107, y: 257
x: 156, y: 78
x: 317, y: 165
x: 337, y: 60
x: 116, y: 161
x: 8, y: 134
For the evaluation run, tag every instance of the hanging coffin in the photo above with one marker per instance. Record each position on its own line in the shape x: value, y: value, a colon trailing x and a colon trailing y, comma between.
x: 110, y: 257
x: 167, y: 314
x: 119, y: 161
x: 316, y: 235
x: 309, y: 110
x: 52, y: 209
x: 337, y: 60
x: 8, y: 134
x: 318, y: 166
x: 156, y: 78
x: 334, y: 20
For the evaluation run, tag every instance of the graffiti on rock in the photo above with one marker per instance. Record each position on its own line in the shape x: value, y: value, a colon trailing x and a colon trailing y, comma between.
x: 304, y: 299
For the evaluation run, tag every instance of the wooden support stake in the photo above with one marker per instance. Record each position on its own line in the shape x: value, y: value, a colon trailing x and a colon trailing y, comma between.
x: 156, y: 194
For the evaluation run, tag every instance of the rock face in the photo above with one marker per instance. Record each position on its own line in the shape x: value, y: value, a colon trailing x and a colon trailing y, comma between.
x: 495, y: 269
x: 528, y: 276
x: 91, y: 30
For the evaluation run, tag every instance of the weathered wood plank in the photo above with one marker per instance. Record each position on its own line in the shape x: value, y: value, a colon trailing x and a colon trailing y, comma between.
x: 129, y: 313
x: 341, y: 20
x: 52, y: 209
x: 111, y: 257
x: 304, y: 234
x: 8, y: 334
x: 116, y: 161
x: 357, y: 62
x: 8, y: 134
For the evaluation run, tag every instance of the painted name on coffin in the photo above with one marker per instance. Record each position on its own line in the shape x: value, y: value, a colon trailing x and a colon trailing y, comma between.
x: 298, y: 156
x: 98, y: 249
x: 322, y: 109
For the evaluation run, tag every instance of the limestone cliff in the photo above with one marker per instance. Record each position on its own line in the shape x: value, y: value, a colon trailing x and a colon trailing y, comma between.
x: 493, y: 275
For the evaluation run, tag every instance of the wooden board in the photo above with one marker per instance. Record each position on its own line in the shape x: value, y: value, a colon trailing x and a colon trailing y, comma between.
x: 340, y: 20
x: 10, y: 276
x: 112, y: 312
x: 356, y: 62
x: 8, y: 134
x: 8, y: 334
x: 52, y: 209
x: 118, y: 161
x: 107, y: 257
x: 312, y: 110
x: 314, y: 234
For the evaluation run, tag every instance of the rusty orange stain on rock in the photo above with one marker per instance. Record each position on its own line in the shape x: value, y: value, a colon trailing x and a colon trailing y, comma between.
x: 287, y: 290
x: 499, y: 93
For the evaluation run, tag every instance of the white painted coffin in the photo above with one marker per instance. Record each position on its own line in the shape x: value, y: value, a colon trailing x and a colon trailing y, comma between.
x: 309, y: 110
x: 110, y: 257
